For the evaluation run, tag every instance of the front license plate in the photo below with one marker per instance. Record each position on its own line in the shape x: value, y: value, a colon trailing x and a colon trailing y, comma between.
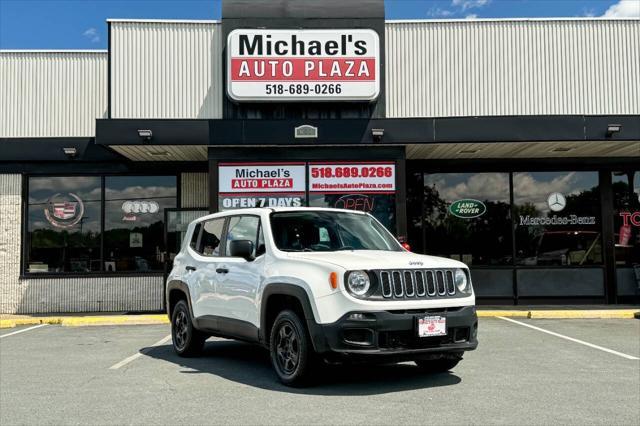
x: 432, y: 326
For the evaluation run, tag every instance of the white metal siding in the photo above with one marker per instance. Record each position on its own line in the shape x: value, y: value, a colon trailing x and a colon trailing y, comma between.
x: 194, y: 190
x: 519, y: 67
x: 166, y: 70
x: 52, y: 94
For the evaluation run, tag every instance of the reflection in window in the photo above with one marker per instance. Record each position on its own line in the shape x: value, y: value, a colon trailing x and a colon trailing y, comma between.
x: 134, y: 221
x: 626, y: 219
x: 211, y: 237
x: 557, y: 218
x: 243, y: 228
x: 381, y: 206
x: 64, y: 224
x: 467, y: 217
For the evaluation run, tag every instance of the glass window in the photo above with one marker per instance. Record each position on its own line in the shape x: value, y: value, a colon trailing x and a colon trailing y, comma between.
x: 194, y: 237
x: 557, y: 218
x: 467, y: 217
x: 626, y: 211
x: 134, y: 221
x: 329, y: 231
x: 63, y: 224
x: 243, y: 228
x: 211, y: 237
x: 380, y: 206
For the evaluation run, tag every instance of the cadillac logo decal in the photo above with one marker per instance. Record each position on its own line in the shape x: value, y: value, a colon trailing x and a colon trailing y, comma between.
x: 64, y: 211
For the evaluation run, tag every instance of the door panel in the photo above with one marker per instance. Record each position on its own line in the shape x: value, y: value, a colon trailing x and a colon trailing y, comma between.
x: 238, y: 286
x: 203, y: 280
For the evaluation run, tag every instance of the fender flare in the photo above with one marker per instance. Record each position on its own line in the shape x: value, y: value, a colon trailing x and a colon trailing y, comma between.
x: 183, y: 288
x: 315, y: 330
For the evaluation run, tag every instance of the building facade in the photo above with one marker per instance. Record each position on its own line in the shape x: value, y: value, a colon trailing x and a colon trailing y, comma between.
x: 511, y: 145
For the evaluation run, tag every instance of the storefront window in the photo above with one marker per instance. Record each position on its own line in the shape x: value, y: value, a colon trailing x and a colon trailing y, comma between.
x: 626, y: 210
x: 381, y: 206
x: 134, y: 221
x: 467, y: 217
x: 557, y: 218
x: 64, y: 224
x: 65, y: 220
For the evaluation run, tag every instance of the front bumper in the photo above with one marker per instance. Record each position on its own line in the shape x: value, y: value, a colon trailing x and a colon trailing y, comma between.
x: 393, y: 334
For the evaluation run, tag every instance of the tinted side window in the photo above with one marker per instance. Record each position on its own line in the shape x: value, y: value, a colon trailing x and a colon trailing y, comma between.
x: 211, y: 237
x: 243, y: 228
x: 194, y: 238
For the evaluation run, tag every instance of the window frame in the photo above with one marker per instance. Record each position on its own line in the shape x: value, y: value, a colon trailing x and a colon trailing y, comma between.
x: 223, y: 237
x: 255, y: 241
x: 24, y: 228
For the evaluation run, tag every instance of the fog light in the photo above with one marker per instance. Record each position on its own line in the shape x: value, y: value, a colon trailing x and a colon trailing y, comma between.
x: 361, y: 317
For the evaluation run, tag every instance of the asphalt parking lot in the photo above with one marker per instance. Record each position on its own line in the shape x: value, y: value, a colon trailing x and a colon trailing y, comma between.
x: 130, y: 375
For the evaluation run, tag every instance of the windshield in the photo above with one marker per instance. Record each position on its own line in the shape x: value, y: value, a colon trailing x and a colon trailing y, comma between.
x: 329, y: 231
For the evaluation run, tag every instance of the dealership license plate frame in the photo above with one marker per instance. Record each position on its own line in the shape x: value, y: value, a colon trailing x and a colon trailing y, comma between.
x: 440, y: 326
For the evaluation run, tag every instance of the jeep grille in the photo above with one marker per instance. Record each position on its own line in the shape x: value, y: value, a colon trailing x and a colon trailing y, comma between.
x: 416, y: 283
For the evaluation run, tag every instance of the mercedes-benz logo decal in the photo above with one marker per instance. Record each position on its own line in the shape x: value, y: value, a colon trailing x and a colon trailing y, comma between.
x: 556, y: 202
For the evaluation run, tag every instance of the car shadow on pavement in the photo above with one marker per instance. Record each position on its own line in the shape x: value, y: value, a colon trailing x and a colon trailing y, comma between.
x: 250, y: 365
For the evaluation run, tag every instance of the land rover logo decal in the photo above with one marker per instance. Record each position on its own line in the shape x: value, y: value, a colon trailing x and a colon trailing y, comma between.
x: 467, y: 208
x: 64, y: 211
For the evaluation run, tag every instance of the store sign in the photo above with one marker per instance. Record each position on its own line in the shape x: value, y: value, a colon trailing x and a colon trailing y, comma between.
x: 630, y: 218
x: 360, y: 202
x: 557, y: 220
x: 247, y: 185
x: 64, y: 211
x: 352, y: 177
x: 467, y: 208
x: 303, y: 65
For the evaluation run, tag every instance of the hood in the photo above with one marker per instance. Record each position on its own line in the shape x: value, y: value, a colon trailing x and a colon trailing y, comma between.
x: 374, y: 259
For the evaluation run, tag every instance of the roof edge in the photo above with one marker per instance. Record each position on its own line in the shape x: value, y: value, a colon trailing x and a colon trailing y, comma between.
x: 569, y: 18
x: 103, y: 51
x: 165, y: 21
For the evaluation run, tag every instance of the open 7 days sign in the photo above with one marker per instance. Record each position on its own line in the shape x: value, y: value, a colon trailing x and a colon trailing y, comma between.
x: 303, y: 65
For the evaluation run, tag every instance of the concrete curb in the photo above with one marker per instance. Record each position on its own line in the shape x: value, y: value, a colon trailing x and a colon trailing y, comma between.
x: 96, y: 320
x: 562, y: 314
x: 78, y: 321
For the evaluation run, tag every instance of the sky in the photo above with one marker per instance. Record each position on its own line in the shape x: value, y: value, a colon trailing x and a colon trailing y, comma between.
x: 81, y: 24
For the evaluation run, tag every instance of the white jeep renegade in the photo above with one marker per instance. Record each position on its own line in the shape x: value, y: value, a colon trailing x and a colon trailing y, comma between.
x: 316, y: 284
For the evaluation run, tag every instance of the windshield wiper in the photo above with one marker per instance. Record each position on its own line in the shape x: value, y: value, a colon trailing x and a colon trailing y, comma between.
x: 345, y: 248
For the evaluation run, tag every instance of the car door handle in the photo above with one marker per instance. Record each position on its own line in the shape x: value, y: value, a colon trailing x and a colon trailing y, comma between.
x: 222, y: 270
x: 190, y: 268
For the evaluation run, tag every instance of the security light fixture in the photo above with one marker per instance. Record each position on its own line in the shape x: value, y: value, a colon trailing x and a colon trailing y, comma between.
x: 468, y: 151
x: 145, y: 134
x: 377, y: 134
x: 70, y: 151
x: 613, y: 128
x: 159, y: 153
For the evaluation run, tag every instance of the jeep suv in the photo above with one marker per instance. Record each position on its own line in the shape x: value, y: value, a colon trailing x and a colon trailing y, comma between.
x: 313, y: 285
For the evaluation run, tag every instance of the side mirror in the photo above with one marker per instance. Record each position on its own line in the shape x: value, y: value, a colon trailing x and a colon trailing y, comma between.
x: 241, y: 248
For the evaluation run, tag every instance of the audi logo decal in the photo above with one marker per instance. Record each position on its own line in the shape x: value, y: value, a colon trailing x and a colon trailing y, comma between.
x: 140, y: 207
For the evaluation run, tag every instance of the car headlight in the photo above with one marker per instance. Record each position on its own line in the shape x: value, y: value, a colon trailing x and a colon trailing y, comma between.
x: 358, y: 283
x: 461, y: 280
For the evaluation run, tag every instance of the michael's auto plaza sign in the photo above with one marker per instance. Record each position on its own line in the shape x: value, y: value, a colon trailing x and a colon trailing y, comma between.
x: 303, y: 65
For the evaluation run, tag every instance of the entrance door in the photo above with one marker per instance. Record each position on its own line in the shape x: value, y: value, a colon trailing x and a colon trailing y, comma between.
x: 176, y: 222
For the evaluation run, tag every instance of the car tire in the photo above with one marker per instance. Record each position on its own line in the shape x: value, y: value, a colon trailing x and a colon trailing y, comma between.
x: 439, y: 365
x: 187, y: 341
x: 291, y: 351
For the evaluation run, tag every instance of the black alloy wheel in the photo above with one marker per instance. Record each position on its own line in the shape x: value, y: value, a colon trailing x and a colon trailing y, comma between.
x: 187, y: 341
x: 291, y: 351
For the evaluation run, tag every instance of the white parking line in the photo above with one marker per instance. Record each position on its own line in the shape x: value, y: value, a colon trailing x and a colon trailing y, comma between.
x: 23, y: 330
x: 139, y: 354
x: 582, y: 342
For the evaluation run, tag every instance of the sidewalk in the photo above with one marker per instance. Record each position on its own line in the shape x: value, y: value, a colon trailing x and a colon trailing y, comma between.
x: 535, y: 312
